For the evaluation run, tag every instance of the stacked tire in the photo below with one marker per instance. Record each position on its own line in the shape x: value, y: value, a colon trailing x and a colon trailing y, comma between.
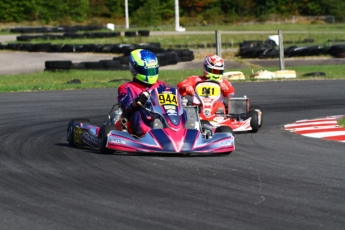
x: 144, y: 33
x: 185, y: 55
x: 58, y: 65
x: 337, y: 51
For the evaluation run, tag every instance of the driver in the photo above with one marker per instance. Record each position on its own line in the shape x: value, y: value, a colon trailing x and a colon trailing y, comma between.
x: 143, y: 65
x: 213, y: 68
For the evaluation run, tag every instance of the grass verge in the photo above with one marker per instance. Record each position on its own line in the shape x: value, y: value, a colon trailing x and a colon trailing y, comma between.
x: 110, y: 79
x: 341, y: 122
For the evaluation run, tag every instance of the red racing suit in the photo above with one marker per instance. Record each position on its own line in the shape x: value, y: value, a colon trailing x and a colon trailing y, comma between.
x: 139, y: 119
x: 187, y: 87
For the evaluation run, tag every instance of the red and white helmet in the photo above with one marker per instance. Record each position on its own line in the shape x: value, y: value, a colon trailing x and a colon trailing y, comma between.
x: 213, y: 67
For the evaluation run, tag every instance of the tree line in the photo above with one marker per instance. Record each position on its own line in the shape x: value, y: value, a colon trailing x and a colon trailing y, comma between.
x: 158, y: 12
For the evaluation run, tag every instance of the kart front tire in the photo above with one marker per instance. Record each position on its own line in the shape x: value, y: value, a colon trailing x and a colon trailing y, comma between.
x: 103, y: 138
x: 224, y: 129
x: 254, y: 122
x: 70, y: 129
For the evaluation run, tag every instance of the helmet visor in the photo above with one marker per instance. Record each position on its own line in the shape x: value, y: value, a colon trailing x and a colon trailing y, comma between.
x: 214, y: 71
x: 147, y: 71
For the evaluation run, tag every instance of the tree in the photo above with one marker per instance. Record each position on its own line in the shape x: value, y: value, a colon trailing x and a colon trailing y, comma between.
x: 167, y: 9
x: 16, y: 10
x: 148, y: 14
x: 192, y: 7
x: 77, y: 9
x: 311, y: 7
x: 336, y: 8
x: 116, y: 8
x: 98, y: 8
x: 52, y: 10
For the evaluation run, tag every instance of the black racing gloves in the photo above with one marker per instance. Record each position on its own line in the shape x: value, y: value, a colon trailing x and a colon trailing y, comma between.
x: 142, y: 98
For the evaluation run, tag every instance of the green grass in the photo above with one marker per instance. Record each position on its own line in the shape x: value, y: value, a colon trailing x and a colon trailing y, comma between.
x: 271, y: 27
x: 341, y: 122
x: 102, y: 79
x: 331, y: 71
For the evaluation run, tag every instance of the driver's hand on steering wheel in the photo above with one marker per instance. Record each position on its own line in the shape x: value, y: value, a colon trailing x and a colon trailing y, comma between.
x: 223, y: 87
x: 190, y: 90
x: 141, y: 99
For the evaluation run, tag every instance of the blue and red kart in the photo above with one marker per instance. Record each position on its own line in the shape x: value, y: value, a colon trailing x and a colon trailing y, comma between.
x: 175, y: 129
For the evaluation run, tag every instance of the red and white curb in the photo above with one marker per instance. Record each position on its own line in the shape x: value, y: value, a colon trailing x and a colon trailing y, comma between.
x: 325, y: 128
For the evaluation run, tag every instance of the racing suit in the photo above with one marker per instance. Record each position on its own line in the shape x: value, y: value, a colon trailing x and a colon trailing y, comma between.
x: 187, y: 87
x: 139, y: 119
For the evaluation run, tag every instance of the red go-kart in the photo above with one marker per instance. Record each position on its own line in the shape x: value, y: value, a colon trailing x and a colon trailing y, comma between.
x: 235, y: 112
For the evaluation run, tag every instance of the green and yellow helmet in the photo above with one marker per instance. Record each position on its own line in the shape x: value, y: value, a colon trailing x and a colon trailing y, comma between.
x: 143, y: 65
x: 213, y: 67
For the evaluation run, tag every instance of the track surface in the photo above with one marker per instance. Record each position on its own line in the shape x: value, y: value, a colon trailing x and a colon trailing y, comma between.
x: 273, y: 180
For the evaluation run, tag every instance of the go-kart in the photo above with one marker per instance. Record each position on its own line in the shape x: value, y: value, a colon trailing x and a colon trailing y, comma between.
x: 175, y: 129
x: 234, y: 112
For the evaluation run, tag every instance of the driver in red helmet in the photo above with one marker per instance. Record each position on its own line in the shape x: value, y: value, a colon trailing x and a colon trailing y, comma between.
x: 213, y: 68
x: 143, y: 65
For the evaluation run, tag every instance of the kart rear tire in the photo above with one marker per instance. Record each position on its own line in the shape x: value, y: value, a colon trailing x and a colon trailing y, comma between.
x: 261, y: 118
x: 102, y: 139
x: 254, y: 122
x: 70, y: 129
x: 224, y: 129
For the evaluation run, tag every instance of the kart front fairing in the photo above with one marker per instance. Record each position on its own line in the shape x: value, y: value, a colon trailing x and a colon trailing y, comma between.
x: 173, y: 137
x: 169, y: 141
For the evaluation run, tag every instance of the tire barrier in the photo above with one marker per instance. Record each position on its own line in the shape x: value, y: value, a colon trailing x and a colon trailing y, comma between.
x: 337, y: 51
x: 58, y: 65
x: 69, y: 35
x: 130, y: 33
x: 248, y: 49
x: 314, y: 74
x: 57, y: 29
x: 144, y: 33
x: 111, y: 64
x: 40, y: 47
x: 92, y: 35
x: 78, y: 66
x: 120, y: 48
x: 168, y: 57
x: 262, y: 50
x: 185, y: 55
x: 93, y: 65
x: 74, y: 81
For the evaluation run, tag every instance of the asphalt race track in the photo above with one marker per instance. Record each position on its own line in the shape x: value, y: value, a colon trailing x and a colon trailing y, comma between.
x: 273, y: 180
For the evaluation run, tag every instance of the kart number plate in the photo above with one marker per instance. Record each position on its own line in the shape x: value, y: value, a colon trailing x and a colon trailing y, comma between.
x: 208, y: 90
x: 167, y: 99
